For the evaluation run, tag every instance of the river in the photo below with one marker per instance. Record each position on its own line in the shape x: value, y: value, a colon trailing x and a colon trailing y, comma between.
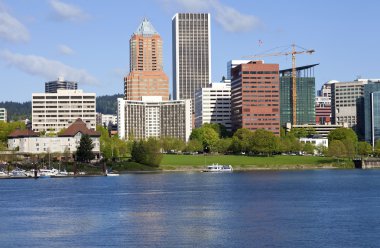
x: 311, y: 208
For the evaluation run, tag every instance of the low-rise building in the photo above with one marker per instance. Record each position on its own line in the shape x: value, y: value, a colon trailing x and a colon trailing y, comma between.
x: 104, y: 120
x: 316, y: 141
x: 28, y: 141
x: 320, y: 130
x: 3, y: 114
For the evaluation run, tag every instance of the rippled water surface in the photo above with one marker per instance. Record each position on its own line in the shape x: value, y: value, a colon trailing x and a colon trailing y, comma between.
x: 316, y: 208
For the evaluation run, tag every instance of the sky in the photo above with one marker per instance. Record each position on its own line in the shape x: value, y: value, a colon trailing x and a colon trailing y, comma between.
x: 88, y: 41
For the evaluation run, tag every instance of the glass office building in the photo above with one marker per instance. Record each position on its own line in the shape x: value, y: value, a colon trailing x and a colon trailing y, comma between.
x: 305, y: 104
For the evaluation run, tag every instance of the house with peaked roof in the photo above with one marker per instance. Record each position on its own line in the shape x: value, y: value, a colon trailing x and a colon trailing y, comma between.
x: 28, y: 141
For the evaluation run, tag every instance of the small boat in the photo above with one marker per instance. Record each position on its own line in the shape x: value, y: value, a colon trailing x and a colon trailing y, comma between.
x: 18, y: 173
x: 218, y: 168
x: 48, y: 173
x: 111, y: 174
x: 3, y: 174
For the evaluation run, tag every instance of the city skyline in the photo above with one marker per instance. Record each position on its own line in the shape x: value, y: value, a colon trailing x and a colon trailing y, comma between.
x: 89, y: 41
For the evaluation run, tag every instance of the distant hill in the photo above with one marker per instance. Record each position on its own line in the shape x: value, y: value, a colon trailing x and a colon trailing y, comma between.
x: 107, y: 104
x: 21, y: 111
x: 17, y: 111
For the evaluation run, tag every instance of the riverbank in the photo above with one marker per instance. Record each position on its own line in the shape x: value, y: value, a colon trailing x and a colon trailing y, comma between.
x: 172, y: 162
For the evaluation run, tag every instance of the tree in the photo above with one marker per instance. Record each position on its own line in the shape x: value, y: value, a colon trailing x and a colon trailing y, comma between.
x: 147, y: 152
x: 343, y: 134
x: 308, y: 148
x: 223, y: 145
x: 264, y: 142
x: 206, y: 135
x: 84, y: 151
x: 300, y: 132
x: 194, y: 146
x: 337, y: 149
x: 350, y: 148
x: 364, y: 149
x: 376, y: 150
x: 241, y: 140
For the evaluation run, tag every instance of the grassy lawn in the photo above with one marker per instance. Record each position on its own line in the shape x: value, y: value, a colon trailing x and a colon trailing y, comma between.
x: 241, y: 162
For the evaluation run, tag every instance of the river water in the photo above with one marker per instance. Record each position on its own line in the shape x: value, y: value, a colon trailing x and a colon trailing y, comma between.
x: 313, y: 208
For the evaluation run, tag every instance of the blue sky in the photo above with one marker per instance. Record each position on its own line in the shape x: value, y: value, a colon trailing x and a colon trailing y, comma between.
x: 88, y: 41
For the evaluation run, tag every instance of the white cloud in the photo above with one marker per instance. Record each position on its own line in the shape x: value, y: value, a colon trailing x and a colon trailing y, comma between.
x: 48, y: 69
x: 65, y: 50
x: 229, y: 18
x: 11, y: 29
x: 66, y: 11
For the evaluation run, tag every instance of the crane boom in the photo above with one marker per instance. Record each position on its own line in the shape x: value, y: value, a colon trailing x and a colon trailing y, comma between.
x: 293, y: 52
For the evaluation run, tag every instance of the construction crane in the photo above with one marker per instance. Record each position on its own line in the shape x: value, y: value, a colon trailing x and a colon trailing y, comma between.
x: 293, y: 52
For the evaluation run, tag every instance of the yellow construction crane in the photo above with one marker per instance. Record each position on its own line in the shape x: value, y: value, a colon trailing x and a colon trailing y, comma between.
x: 293, y: 52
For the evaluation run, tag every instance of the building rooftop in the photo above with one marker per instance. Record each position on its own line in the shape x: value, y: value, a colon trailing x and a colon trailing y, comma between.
x: 146, y: 28
x: 23, y: 133
x: 79, y: 127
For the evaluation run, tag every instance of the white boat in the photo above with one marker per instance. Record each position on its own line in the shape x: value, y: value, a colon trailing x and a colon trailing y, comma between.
x: 18, y: 173
x: 218, y: 168
x: 3, y: 174
x: 111, y: 174
x: 48, y: 173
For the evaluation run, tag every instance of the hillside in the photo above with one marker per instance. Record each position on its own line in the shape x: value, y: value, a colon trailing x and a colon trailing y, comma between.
x: 20, y: 111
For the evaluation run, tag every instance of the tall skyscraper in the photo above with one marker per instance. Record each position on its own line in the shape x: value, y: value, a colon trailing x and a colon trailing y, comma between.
x: 191, y: 54
x: 305, y: 83
x: 255, y: 97
x: 146, y: 76
x: 60, y: 84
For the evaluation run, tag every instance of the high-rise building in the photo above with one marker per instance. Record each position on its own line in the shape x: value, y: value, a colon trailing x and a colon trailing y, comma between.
x: 191, y: 54
x: 344, y: 99
x: 121, y: 118
x: 152, y: 117
x: 370, y: 107
x: 213, y: 105
x: 52, y: 112
x: 146, y: 76
x: 305, y: 105
x: 232, y: 64
x: 255, y: 97
x: 3, y: 115
x: 60, y: 84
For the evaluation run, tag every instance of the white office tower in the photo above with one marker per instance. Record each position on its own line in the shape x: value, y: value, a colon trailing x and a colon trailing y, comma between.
x: 3, y: 114
x: 191, y: 54
x: 51, y: 112
x: 213, y: 105
x: 121, y: 118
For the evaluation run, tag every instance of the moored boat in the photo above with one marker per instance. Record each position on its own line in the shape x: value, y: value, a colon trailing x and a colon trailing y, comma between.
x: 218, y: 168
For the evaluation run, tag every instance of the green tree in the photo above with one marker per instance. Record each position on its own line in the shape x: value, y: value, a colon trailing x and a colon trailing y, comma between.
x: 147, y: 152
x: 364, y: 149
x: 223, y: 145
x: 194, y: 146
x: 172, y: 144
x: 84, y: 151
x: 241, y: 140
x: 350, y: 148
x: 343, y: 134
x: 337, y: 149
x: 376, y: 150
x: 264, y: 142
x: 308, y: 148
x: 300, y: 132
x: 207, y: 135
x: 321, y: 149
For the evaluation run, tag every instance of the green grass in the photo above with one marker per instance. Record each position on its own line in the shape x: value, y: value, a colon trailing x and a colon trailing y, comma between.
x: 241, y: 162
